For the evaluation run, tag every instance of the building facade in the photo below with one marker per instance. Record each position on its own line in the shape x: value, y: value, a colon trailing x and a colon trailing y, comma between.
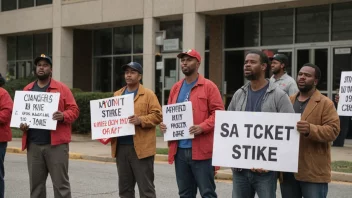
x: 89, y: 40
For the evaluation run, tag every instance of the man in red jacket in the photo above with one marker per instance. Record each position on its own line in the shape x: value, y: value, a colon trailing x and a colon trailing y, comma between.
x: 193, y: 156
x: 48, y: 151
x: 5, y: 130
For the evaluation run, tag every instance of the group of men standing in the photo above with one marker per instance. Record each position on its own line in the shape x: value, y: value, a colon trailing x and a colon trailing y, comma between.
x: 47, y: 151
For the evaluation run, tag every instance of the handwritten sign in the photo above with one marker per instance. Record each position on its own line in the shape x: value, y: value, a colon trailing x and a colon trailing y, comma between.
x: 256, y: 140
x: 178, y: 118
x: 36, y: 109
x: 109, y: 117
x: 344, y: 108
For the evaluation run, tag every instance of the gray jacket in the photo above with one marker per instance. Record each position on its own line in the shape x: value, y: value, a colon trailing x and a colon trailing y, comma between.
x: 274, y: 100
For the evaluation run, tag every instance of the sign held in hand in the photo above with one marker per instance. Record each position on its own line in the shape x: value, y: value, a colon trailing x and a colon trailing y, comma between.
x: 344, y: 107
x: 35, y: 109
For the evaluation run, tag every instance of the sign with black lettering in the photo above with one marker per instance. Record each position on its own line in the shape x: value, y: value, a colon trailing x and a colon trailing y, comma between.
x: 344, y: 108
x: 109, y: 117
x: 35, y: 109
x: 178, y: 118
x: 256, y: 140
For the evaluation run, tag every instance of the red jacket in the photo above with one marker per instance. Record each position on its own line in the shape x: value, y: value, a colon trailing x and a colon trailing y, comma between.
x: 67, y: 105
x: 206, y: 99
x: 6, y: 105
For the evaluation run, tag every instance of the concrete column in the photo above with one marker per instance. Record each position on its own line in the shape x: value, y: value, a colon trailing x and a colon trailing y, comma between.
x: 150, y: 26
x: 3, y: 55
x: 62, y: 48
x: 193, y: 31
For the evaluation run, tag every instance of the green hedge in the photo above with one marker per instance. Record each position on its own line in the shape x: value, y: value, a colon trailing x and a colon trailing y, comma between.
x: 82, y: 124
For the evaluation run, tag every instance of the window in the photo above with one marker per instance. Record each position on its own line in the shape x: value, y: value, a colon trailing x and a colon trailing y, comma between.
x: 123, y: 40
x: 342, y: 21
x: 24, y: 47
x: 102, y: 74
x: 277, y: 27
x: 11, y: 48
x: 119, y: 75
x: 25, y: 3
x: 102, y: 42
x: 7, y: 5
x: 138, y: 39
x: 173, y: 30
x: 40, y: 44
x: 312, y: 24
x: 43, y: 2
x: 242, y: 30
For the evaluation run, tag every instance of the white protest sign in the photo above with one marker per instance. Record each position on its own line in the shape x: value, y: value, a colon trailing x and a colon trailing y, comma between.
x: 109, y: 117
x: 344, y: 108
x: 178, y: 118
x: 36, y: 109
x: 256, y: 140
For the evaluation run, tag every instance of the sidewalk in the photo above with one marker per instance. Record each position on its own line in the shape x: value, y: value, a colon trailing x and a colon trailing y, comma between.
x: 82, y: 147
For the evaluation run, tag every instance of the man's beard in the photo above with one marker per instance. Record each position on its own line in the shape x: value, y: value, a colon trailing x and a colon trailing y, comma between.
x: 252, y: 77
x: 306, y: 88
x: 44, y: 76
x: 275, y: 71
x: 189, y: 72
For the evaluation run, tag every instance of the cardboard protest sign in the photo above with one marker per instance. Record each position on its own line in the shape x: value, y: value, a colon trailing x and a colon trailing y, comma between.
x: 36, y: 109
x: 344, y: 108
x: 256, y: 140
x: 178, y: 118
x: 109, y: 117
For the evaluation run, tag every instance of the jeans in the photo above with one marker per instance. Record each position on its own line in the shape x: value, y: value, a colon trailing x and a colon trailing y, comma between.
x: 3, y: 146
x: 191, y: 174
x: 291, y: 188
x: 246, y: 183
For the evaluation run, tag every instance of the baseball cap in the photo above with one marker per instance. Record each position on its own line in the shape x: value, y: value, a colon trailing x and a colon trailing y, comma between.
x: 282, y: 58
x: 134, y: 65
x: 192, y: 53
x: 43, y: 57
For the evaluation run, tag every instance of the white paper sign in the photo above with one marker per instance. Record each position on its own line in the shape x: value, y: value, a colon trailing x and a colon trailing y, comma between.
x: 344, y: 108
x: 178, y: 118
x: 109, y: 117
x: 256, y: 140
x: 36, y: 109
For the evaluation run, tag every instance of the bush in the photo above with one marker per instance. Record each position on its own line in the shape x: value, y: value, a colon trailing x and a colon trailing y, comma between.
x: 17, y: 84
x: 82, y: 124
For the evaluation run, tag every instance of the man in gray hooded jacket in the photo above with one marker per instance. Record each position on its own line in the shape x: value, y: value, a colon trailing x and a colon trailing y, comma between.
x: 259, y: 95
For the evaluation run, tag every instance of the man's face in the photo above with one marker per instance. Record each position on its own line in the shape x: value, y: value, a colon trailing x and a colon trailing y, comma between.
x: 276, y: 66
x: 306, y: 79
x: 189, y: 65
x: 253, y: 68
x: 132, y: 76
x: 43, y: 70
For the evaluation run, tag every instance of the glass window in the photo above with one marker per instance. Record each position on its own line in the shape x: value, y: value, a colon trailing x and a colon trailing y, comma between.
x: 7, y: 5
x: 24, y: 47
x: 119, y: 75
x: 342, y: 62
x: 102, y: 74
x: 123, y: 40
x: 102, y: 42
x: 342, y: 21
x: 173, y: 30
x: 11, y: 69
x: 25, y: 3
x: 24, y: 69
x: 207, y: 36
x: 138, y: 59
x: 312, y: 24
x: 206, y: 65
x: 277, y: 27
x: 138, y: 39
x: 43, y: 2
x: 11, y: 48
x: 242, y: 30
x: 50, y: 44
x: 40, y: 44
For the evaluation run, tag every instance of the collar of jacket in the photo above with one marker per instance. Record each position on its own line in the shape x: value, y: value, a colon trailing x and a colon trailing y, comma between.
x: 141, y: 91
x: 270, y: 88
x: 313, y: 102
x: 53, y: 84
x: 200, y: 81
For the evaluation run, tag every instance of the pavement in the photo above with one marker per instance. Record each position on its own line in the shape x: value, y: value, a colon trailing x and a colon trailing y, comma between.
x: 83, y: 147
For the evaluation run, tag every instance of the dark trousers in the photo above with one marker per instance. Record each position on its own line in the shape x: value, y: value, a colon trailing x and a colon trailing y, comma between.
x: 344, y: 129
x: 44, y: 159
x: 130, y: 170
x: 3, y: 146
x: 246, y: 183
x: 191, y: 174
x: 291, y: 188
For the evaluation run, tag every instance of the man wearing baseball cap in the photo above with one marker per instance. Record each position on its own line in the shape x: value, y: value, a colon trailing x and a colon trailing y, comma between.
x: 48, y: 150
x: 193, y: 157
x: 135, y: 153
x: 279, y: 62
